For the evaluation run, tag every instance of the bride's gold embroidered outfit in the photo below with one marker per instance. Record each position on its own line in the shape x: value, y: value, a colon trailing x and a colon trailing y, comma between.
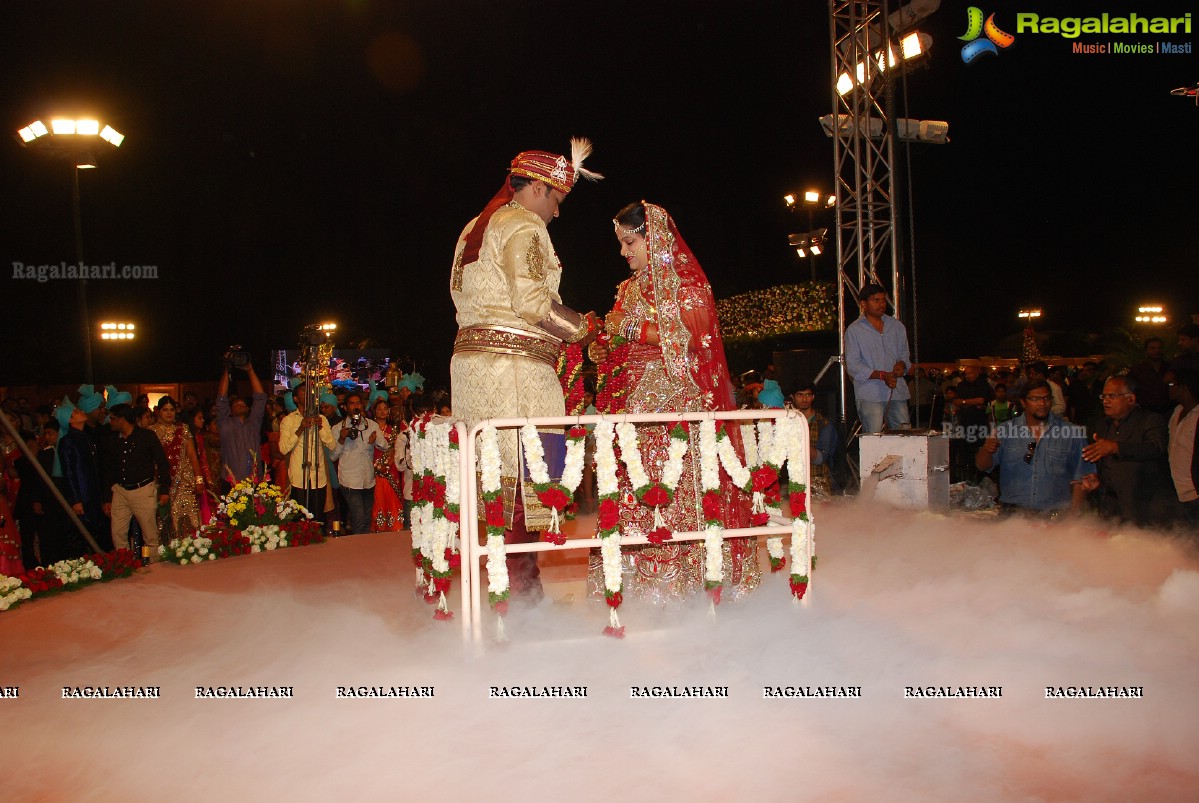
x: 685, y: 371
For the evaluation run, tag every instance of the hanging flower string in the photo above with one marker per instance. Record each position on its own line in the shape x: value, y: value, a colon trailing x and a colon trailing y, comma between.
x: 493, y: 511
x: 803, y: 528
x: 608, y: 523
x: 556, y: 496
x: 612, y: 375
x: 711, y: 436
x: 444, y: 558
x: 772, y: 450
x: 570, y: 376
x: 654, y: 494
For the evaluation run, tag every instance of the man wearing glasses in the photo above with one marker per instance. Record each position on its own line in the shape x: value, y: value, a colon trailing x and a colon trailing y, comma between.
x: 1130, y: 449
x: 1042, y: 469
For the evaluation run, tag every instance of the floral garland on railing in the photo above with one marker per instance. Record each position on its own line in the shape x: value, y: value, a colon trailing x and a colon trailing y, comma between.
x: 442, y: 450
x: 67, y: 575
x: 608, y: 524
x: 498, y: 589
x: 803, y: 529
x: 654, y: 494
x: 711, y: 436
x: 557, y: 496
x: 424, y: 494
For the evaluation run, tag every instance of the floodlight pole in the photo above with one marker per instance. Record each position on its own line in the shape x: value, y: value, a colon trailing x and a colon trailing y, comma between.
x: 81, y: 286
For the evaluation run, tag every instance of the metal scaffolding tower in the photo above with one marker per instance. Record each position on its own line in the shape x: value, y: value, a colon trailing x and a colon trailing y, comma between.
x: 863, y: 49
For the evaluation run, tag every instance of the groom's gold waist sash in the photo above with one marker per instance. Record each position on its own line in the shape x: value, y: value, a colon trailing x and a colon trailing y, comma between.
x: 506, y: 340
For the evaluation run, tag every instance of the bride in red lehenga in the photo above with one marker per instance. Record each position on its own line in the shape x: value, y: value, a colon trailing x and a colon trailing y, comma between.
x: 667, y: 339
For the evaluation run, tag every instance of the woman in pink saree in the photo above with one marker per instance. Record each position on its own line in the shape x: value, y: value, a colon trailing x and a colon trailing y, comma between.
x: 667, y: 340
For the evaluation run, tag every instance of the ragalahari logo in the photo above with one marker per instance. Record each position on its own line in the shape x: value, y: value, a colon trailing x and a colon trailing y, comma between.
x: 975, y: 27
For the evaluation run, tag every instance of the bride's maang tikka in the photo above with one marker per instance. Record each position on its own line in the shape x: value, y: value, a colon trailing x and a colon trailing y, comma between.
x: 624, y: 231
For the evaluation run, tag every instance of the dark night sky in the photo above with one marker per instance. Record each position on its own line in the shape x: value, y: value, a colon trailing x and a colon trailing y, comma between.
x: 290, y: 162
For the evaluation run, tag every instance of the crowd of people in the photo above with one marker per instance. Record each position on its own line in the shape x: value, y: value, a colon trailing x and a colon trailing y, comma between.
x: 1052, y: 438
x: 132, y: 475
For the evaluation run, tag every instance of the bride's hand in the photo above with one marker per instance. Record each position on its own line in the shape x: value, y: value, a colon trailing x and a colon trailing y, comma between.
x: 613, y: 320
x: 597, y: 353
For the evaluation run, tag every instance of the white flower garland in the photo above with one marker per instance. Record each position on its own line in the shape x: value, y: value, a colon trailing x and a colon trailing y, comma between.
x: 710, y: 455
x: 773, y: 450
x: 751, y: 445
x: 766, y: 437
x: 608, y: 487
x: 534, y: 454
x: 539, y: 472
x: 674, y: 462
x: 713, y: 554
x: 630, y: 455
x: 497, y: 554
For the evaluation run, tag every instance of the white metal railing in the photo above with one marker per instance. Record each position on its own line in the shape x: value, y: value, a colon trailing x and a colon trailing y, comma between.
x: 472, y: 551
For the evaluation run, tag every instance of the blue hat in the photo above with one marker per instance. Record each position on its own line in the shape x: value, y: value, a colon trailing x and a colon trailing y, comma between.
x: 412, y: 381
x: 289, y: 402
x: 376, y: 394
x: 116, y: 397
x: 328, y: 398
x: 771, y: 395
x: 63, y: 414
x: 295, y: 382
x: 89, y: 399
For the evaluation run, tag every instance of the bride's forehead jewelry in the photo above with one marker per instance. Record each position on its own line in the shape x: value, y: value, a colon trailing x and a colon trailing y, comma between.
x: 624, y: 231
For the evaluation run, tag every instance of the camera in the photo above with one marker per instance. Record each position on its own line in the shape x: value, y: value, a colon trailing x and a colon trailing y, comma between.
x: 237, y: 357
x: 355, y: 423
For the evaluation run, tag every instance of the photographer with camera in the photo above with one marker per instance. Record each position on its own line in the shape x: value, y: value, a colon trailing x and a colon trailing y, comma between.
x: 304, y: 435
x: 354, y: 452
x: 240, y: 424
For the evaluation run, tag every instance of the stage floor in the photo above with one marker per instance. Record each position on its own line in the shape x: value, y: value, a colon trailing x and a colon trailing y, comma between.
x: 903, y: 607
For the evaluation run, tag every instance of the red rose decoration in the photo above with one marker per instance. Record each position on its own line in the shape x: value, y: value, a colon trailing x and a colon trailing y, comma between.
x: 454, y: 435
x: 614, y: 632
x: 501, y: 607
x: 430, y: 599
x: 577, y: 432
x: 656, y: 496
x: 453, y: 558
x: 771, y: 495
x: 759, y: 519
x: 494, y: 510
x: 799, y: 588
x: 799, y: 503
x: 712, y: 506
x: 714, y: 592
x: 416, y: 561
x: 558, y: 539
x: 659, y: 535
x: 443, y: 616
x: 554, y: 497
x: 764, y: 477
x: 441, y: 584
x: 452, y: 515
x: 609, y: 514
x: 615, y: 599
x: 777, y: 565
x: 437, y: 496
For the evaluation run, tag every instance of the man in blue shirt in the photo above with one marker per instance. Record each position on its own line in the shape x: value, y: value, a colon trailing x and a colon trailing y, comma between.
x: 1039, y: 456
x: 876, y: 357
x: 240, y: 426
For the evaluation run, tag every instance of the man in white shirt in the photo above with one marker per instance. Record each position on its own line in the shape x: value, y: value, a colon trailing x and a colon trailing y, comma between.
x: 354, y: 450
